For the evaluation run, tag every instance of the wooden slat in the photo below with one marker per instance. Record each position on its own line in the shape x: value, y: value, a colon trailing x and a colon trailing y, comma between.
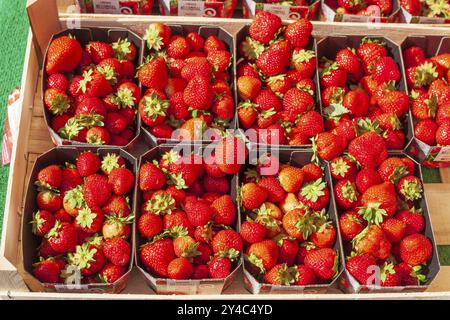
x: 445, y: 175
x: 438, y: 197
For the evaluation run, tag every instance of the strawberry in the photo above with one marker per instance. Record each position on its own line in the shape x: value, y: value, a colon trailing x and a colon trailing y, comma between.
x: 90, y: 220
x: 328, y: 145
x: 219, y: 59
x: 62, y: 237
x: 230, y: 153
x: 89, y: 259
x: 219, y: 267
x: 156, y: 256
x: 94, y: 84
x: 272, y: 61
x: 366, y: 178
x: 361, y: 267
x: 275, y: 192
x: 153, y: 109
x: 178, y: 47
x: 372, y: 240
x: 185, y: 246
x: 311, y: 172
x: 357, y: 102
x: 443, y: 133
x: 371, y: 48
x: 378, y: 201
x: 281, y: 274
x: 394, y: 229
x: 213, y: 43
x: 263, y: 255
x: 315, y: 194
x: 149, y: 225
x: 180, y: 268
x: 298, y: 224
x: 223, y: 107
x: 252, y: 232
x: 111, y: 69
x: 121, y: 180
x: 288, y: 250
x: 47, y: 271
x: 151, y: 177
x: 178, y: 219
x: 48, y: 200
x: 351, y: 224
x: 291, y: 178
x: 43, y: 221
x: 153, y: 74
x: 118, y: 251
x: 443, y: 114
x: 392, y: 169
x: 296, y: 102
x: 50, y: 177
x: 227, y: 242
x: 199, y: 212
x: 413, y: 56
x: 414, y: 220
x: 98, y: 135
x: 304, y: 61
x: 58, y: 122
x: 368, y: 157
x: 56, y: 101
x: 332, y: 76
x: 347, y: 60
x: 163, y: 130
x: 298, y: 33
x: 63, y: 55
x: 345, y: 194
x: 97, y: 190
x: 385, y: 69
x: 415, y: 249
x: 224, y: 210
x: 115, y: 226
x: 305, y: 276
x: 195, y: 41
x: 248, y: 87
x: 111, y: 273
x: 324, y: 263
x: 395, y: 101
x: 325, y: 235
x: 115, y: 122
x: 198, y: 94
x: 332, y: 95
x: 99, y: 51
x: 264, y: 27
x: 342, y: 168
x: 58, y: 81
x: 410, y: 188
x: 118, y: 206
x: 157, y: 36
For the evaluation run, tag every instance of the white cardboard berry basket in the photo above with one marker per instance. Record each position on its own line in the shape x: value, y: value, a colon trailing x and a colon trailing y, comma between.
x: 35, y: 140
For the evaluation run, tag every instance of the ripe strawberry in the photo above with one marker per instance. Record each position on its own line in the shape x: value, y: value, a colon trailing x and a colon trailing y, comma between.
x: 298, y: 223
x: 361, y: 267
x: 43, y: 221
x: 213, y: 43
x: 90, y: 221
x: 111, y: 273
x: 288, y: 250
x: 311, y: 172
x: 298, y: 33
x: 224, y: 210
x: 372, y: 240
x: 50, y: 177
x: 324, y: 263
x: 185, y: 246
x: 263, y: 255
x: 151, y: 177
x: 98, y: 135
x: 88, y: 163
x: 357, y: 101
x: 63, y: 55
x: 305, y: 276
x: 281, y: 274
x: 368, y: 157
x: 332, y: 76
x: 443, y: 133
x: 385, y: 69
x: 62, y: 237
x: 227, y: 242
x: 248, y: 87
x: 328, y: 145
x: 199, y: 212
x: 48, y: 200
x: 366, y: 178
x: 275, y: 192
x: 264, y: 27
x: 195, y: 41
x: 223, y: 107
x: 394, y: 229
x: 118, y: 206
x: 94, y: 84
x: 378, y: 201
x: 410, y: 188
x: 89, y: 259
x: 115, y: 226
x: 347, y: 60
x: 392, y: 169
x: 97, y: 190
x: 342, y: 168
x: 415, y: 249
x: 345, y: 194
x: 153, y: 109
x: 219, y: 267
x: 178, y: 47
x: 56, y: 101
x: 157, y: 36
x: 370, y: 48
x: 47, y: 271
x: 304, y: 61
x: 252, y: 232
x: 230, y: 153
x: 395, y: 101
x: 198, y: 94
x: 121, y: 180
x: 180, y: 269
x: 156, y: 256
x: 99, y: 51
x: 117, y: 250
x: 413, y: 56
x: 149, y: 225
x: 351, y: 224
x: 414, y: 220
x: 273, y: 60
x: 154, y: 74
x: 291, y: 178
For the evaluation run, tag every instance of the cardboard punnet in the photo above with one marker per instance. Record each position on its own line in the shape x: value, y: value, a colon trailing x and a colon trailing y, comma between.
x: 329, y: 46
x: 30, y: 242
x: 250, y: 136
x: 116, y: 6
x: 84, y: 36
x: 296, y: 158
x: 197, y: 8
x: 431, y: 156
x: 406, y: 17
x: 169, y: 286
x: 349, y: 284
x: 205, y: 31
x: 285, y: 11
x: 329, y: 14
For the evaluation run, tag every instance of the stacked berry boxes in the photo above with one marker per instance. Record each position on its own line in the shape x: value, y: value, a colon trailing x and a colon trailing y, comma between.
x: 282, y: 84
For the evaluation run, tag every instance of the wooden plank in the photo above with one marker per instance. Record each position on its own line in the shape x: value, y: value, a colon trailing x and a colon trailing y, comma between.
x: 438, y: 195
x: 445, y: 175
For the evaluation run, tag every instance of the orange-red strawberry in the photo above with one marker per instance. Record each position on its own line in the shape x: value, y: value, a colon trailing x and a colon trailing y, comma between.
x: 223, y: 107
x: 415, y: 249
x: 281, y: 274
x: 149, y: 225
x: 198, y: 94
x: 97, y: 190
x: 372, y: 240
x: 263, y: 255
x: 111, y: 273
x: 213, y: 43
x: 185, y: 246
x: 296, y: 102
x: 63, y: 55
x: 219, y: 59
x: 379, y: 201
x: 298, y: 33
x: 156, y: 256
x: 199, y: 212
x: 248, y: 87
x: 50, y: 177
x: 118, y: 251
x: 368, y: 149
x: 121, y: 180
x: 252, y: 195
x: 264, y: 27
x: 394, y: 229
x: 361, y: 267
x: 151, y: 177
x: 370, y: 48
x: 195, y: 41
x: 315, y: 194
x: 252, y: 232
x: 328, y: 145
x: 324, y: 262
x: 153, y: 74
x: 291, y: 178
x: 345, y: 194
x: 311, y: 172
x: 227, y: 243
x: 62, y: 237
x: 180, y: 269
x: 392, y: 169
x: 274, y: 190
x: 414, y: 220
x: 443, y: 133
x: 219, y: 267
x: 298, y: 223
x: 56, y: 101
x: 366, y: 178
x: 98, y: 135
x: 394, y: 101
x: 178, y: 47
x: 424, y: 107
x: 230, y: 153
x: 351, y: 224
x: 342, y: 168
x: 224, y: 210
x: 178, y: 219
x: 247, y: 114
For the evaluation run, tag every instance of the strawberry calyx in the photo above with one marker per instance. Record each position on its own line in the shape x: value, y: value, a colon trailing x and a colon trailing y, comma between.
x: 153, y: 39
x: 75, y: 198
x: 335, y: 111
x: 438, y: 8
x: 109, y: 73
x: 268, y: 221
x: 191, y: 250
x: 170, y: 157
x: 252, y: 48
x: 113, y: 219
x: 247, y: 104
x: 121, y: 48
x: 60, y: 104
x: 85, y: 217
x: 125, y: 98
x: 313, y: 190
x: 432, y: 103
x: 94, y: 240
x: 373, y: 213
x: 36, y: 222
x: 398, y: 173
x: 367, y: 125
x: 54, y: 231
x: 416, y: 273
x: 340, y: 167
x: 387, y: 268
x: 256, y: 262
x: 71, y: 129
x: 287, y: 275
x: 95, y: 139
x: 424, y: 74
x: 90, y: 120
x: 349, y: 191
x: 229, y: 253
x: 303, y: 56
x: 371, y: 40
x: 45, y: 187
x: 302, y: 87
x: 328, y: 68
x: 154, y: 106
x: 87, y: 77
x: 161, y: 203
x: 83, y: 256
x: 411, y: 189
x: 177, y: 180
x: 110, y: 162
x: 307, y: 224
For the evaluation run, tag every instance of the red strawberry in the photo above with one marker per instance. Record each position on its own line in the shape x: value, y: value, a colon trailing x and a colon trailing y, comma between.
x: 351, y: 224
x: 378, y: 201
x: 230, y: 153
x: 361, y: 267
x: 99, y: 51
x: 264, y: 27
x: 94, y: 84
x: 227, y: 242
x: 410, y: 188
x: 415, y: 249
x: 90, y: 221
x: 273, y: 60
x: 342, y: 168
x: 97, y: 190
x: 225, y: 211
x: 263, y: 256
x: 298, y: 33
x: 304, y: 61
x: 47, y: 271
x: 151, y: 177
x: 305, y: 276
x: 213, y: 43
x: 219, y: 267
x: 315, y: 194
x: 281, y: 274
x: 223, y: 107
x: 252, y: 195
x: 43, y: 221
x: 252, y: 232
x: 394, y: 229
x: 443, y: 133
x: 368, y: 157
x: 154, y: 74
x: 248, y: 87
x: 50, y: 177
x: 392, y: 169
x: 347, y: 60
x: 118, y: 251
x: 413, y: 56
x: 372, y: 240
x: 386, y: 69
x: 366, y: 178
x: 414, y: 220
x: 111, y: 273
x: 394, y: 101
x: 199, y: 212
x: 63, y: 55
x: 56, y: 101
x: 357, y: 101
x: 180, y: 269
x: 178, y: 47
x: 332, y: 76
x: 324, y: 262
x: 62, y: 237
x: 121, y: 180
x: 149, y: 225
x: 48, y: 200
x: 198, y: 94
x: 118, y: 206
x: 328, y: 145
x: 156, y: 256
x: 345, y: 194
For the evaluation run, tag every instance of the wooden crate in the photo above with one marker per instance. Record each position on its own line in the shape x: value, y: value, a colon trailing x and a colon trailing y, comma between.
x: 34, y: 139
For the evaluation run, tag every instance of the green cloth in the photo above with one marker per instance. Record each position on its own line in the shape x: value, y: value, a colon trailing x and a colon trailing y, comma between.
x: 14, y: 31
